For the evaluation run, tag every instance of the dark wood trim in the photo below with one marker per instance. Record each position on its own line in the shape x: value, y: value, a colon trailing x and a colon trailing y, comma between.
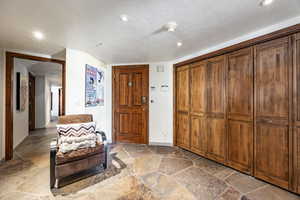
x: 113, y: 98
x: 271, y: 36
x: 9, y: 78
x: 295, y: 125
x: 174, y: 107
x: 9, y: 107
x: 290, y: 121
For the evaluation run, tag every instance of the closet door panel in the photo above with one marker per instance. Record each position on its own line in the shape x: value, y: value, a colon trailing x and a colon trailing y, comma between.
x: 183, y: 106
x: 198, y: 135
x: 297, y: 159
x: 216, y: 88
x: 240, y: 110
x: 296, y: 110
x: 273, y: 101
x: 272, y: 154
x: 240, y: 85
x: 183, y: 132
x: 216, y: 127
x: 216, y: 147
x: 182, y: 89
x: 240, y: 145
x: 272, y: 81
x: 198, y: 88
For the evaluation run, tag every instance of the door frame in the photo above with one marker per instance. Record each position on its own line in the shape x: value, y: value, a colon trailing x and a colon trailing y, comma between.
x: 31, y: 77
x: 9, y: 82
x: 114, y: 136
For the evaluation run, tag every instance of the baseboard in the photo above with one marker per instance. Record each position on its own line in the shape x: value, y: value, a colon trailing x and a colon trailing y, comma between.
x: 161, y: 144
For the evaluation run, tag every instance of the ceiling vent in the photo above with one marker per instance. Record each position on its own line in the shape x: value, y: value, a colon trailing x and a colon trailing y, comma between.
x: 171, y: 26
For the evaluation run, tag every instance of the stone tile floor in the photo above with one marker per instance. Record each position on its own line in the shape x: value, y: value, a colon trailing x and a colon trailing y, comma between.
x: 136, y: 172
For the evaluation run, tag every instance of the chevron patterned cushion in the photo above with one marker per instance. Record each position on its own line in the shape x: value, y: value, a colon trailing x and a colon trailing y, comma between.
x: 76, y: 130
x: 76, y: 136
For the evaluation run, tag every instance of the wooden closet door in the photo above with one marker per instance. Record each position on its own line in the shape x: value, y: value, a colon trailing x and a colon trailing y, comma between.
x: 199, y: 107
x: 272, y: 109
x: 296, y: 113
x: 240, y: 110
x: 183, y: 106
x: 216, y: 148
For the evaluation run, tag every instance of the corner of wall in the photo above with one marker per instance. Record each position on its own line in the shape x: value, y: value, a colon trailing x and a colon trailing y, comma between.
x: 76, y: 61
x: 2, y: 105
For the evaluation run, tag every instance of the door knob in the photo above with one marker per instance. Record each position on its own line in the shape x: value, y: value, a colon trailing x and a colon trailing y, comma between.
x: 144, y: 99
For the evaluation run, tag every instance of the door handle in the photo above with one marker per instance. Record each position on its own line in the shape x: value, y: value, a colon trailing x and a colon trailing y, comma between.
x: 144, y: 99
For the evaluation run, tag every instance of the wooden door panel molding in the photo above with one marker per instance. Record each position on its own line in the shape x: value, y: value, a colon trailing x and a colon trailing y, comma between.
x: 240, y: 145
x: 272, y: 162
x: 123, y: 95
x: 272, y: 79
x: 216, y: 88
x: 130, y: 104
x: 137, y: 90
x: 182, y: 90
x: 199, y: 88
x: 199, y: 135
x: 183, y: 129
x: 216, y: 147
x: 240, y: 85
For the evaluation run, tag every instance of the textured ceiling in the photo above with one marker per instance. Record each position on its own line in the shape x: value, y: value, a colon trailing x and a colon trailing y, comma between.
x: 82, y: 24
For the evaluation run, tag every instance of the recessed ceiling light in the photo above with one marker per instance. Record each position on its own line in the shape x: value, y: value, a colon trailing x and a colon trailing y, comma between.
x: 171, y: 26
x: 124, y: 18
x: 266, y: 2
x: 99, y: 44
x: 38, y: 35
x: 179, y: 44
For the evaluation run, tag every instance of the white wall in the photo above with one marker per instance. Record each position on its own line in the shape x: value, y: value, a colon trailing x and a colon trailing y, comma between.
x: 55, y: 101
x: 21, y: 119
x: 47, y: 106
x: 2, y: 86
x: 75, y: 87
x: 40, y: 116
x: 161, y: 110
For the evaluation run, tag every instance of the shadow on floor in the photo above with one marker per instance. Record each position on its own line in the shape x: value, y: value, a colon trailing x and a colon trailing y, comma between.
x: 91, y: 177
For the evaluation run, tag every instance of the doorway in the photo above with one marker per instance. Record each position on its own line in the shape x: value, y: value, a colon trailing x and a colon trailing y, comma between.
x: 9, y: 95
x: 130, y: 103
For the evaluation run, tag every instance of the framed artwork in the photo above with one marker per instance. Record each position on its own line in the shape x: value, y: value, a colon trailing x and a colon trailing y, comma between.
x: 94, y: 86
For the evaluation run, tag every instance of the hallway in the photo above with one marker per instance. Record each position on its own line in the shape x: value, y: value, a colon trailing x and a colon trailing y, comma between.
x: 135, y: 172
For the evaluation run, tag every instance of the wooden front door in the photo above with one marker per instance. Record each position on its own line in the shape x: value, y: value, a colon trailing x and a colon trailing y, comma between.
x: 31, y: 102
x: 273, y: 106
x: 130, y: 104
